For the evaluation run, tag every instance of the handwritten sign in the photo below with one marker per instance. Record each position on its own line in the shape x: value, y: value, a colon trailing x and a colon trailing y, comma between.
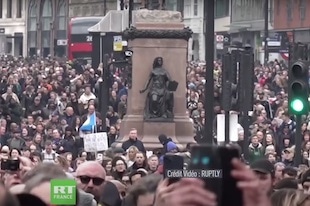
x: 95, y: 142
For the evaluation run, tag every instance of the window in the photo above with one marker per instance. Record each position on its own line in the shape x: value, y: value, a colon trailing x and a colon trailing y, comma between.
x: 32, y: 27
x: 174, y: 5
x: 171, y: 5
x: 61, y: 20
x: 289, y: 10
x: 302, y: 9
x: 46, y: 26
x: 195, y: 7
x: 221, y: 8
x: 187, y: 8
x: 82, y: 28
x: 271, y: 10
x: 278, y: 7
x: 1, y: 8
x: 61, y: 28
x: 9, y: 9
x: 19, y: 8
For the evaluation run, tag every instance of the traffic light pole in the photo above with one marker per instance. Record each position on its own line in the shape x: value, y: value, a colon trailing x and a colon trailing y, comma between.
x: 104, y: 92
x: 227, y: 127
x: 298, y: 94
x: 226, y: 92
x: 130, y: 12
x: 104, y: 89
x: 209, y: 57
x: 298, y: 142
x: 266, y: 33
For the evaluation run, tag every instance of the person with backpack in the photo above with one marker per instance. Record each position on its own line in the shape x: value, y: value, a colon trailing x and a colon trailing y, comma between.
x: 48, y: 155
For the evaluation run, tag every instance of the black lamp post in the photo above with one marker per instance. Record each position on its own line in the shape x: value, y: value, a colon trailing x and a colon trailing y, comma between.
x: 130, y: 8
x: 266, y: 34
x: 209, y: 85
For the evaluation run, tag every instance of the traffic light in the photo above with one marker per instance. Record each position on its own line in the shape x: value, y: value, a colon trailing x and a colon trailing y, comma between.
x: 298, y: 91
x: 229, y: 86
x: 226, y: 93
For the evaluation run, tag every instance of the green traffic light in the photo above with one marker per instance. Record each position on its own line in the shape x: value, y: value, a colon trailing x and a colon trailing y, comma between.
x: 297, y: 105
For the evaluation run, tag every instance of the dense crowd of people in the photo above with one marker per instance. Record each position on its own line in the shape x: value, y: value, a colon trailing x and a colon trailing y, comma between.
x: 44, y: 103
x: 272, y: 130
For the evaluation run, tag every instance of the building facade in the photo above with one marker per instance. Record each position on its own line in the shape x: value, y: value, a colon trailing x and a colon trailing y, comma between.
x: 293, y: 18
x: 85, y: 8
x: 193, y: 14
x: 46, y: 23
x: 247, y: 22
x: 221, y: 27
x: 193, y: 17
x: 12, y: 27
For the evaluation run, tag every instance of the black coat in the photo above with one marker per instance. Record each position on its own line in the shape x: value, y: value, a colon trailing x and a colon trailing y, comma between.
x: 130, y: 142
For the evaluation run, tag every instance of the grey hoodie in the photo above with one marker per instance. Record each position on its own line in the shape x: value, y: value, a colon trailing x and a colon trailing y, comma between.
x: 86, y: 199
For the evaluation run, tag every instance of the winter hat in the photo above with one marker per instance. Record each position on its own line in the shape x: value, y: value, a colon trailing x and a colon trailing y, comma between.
x: 162, y: 138
x: 110, y: 195
x: 171, y: 146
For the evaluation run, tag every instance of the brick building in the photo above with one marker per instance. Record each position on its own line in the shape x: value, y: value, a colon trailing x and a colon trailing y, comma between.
x: 293, y: 16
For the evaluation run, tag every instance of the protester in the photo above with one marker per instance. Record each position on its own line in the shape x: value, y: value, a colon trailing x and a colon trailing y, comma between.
x: 90, y: 177
x: 46, y: 106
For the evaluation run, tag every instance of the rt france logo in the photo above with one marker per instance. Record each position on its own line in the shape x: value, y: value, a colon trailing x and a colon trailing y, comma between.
x: 63, y: 192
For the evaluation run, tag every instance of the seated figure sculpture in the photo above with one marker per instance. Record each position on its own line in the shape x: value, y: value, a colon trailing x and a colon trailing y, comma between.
x: 159, y: 101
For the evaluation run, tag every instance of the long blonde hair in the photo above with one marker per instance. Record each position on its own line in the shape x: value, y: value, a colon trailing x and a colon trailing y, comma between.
x: 289, y: 197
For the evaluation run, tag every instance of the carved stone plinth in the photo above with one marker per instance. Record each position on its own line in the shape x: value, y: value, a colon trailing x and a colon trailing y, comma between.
x: 152, y: 37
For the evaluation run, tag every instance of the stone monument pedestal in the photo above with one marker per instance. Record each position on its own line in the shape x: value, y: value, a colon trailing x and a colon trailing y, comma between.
x: 157, y: 33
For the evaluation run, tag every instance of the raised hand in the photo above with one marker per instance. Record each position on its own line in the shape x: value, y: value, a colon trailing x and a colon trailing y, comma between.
x: 248, y: 182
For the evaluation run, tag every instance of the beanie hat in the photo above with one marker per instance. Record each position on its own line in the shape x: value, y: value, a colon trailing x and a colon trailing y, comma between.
x: 162, y: 138
x: 171, y: 146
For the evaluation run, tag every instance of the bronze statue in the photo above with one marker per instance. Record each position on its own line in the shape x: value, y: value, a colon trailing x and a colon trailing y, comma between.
x: 153, y: 4
x: 159, y: 101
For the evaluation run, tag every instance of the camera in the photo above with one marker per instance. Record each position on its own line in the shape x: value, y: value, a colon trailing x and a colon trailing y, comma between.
x: 128, y: 53
x: 10, y: 164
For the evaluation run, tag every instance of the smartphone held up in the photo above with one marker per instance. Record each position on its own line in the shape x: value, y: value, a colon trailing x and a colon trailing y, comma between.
x: 212, y: 164
x: 208, y: 157
x: 10, y: 165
